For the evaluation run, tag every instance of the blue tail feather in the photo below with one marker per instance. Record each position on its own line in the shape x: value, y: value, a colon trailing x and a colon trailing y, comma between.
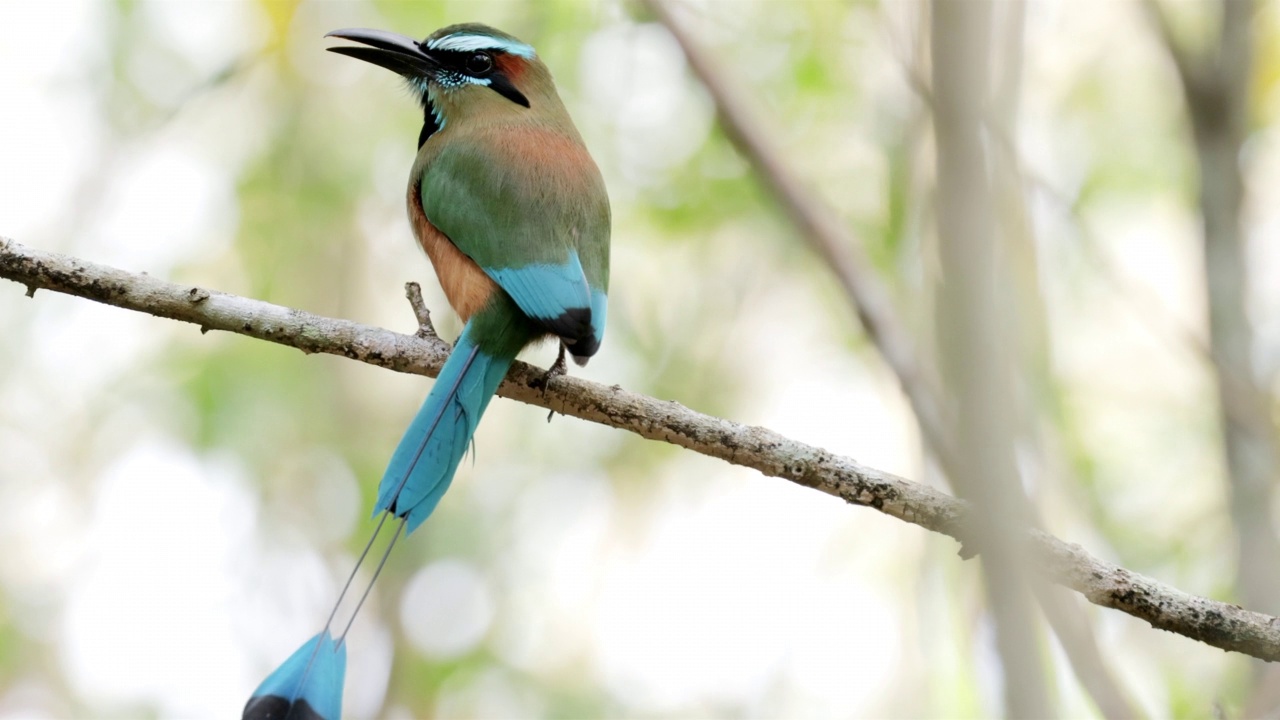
x: 307, y: 686
x: 425, y: 460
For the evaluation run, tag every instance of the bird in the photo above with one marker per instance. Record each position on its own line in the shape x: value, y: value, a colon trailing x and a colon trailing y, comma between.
x: 513, y: 213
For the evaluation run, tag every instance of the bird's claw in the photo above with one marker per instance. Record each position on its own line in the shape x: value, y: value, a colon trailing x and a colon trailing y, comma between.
x: 558, y: 368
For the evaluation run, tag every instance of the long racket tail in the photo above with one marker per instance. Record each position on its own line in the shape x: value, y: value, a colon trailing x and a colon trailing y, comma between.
x: 307, y: 686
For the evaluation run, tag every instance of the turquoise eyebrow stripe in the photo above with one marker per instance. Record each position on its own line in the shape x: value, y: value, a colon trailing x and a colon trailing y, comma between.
x: 463, y: 42
x: 543, y: 290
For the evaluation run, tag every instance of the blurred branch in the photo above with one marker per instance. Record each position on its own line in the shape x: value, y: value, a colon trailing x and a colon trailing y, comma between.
x: 842, y: 252
x: 1011, y: 181
x: 976, y: 341
x: 1216, y: 89
x: 826, y: 233
x: 1075, y: 633
x: 1215, y: 623
x: 1141, y: 302
x: 1144, y: 304
x: 1189, y: 67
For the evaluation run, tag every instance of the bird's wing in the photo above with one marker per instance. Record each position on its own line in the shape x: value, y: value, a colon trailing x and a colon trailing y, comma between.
x: 530, y: 209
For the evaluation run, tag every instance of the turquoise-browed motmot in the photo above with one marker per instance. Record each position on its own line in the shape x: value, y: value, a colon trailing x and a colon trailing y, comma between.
x: 513, y: 214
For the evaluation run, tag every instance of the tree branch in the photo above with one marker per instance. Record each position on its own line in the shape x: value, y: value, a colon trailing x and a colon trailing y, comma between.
x: 828, y: 235
x: 1216, y: 89
x: 842, y: 251
x: 978, y: 363
x: 1215, y: 623
x: 1188, y: 66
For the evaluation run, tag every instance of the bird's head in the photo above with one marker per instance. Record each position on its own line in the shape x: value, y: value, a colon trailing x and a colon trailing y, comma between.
x: 459, y: 72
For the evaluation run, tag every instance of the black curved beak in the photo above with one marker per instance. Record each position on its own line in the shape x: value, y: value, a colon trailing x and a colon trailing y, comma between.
x: 394, y: 52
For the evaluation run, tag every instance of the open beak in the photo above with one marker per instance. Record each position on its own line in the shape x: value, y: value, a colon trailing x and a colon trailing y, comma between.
x: 394, y: 52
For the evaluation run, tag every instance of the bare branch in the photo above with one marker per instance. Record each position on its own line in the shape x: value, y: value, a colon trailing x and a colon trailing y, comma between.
x: 426, y: 329
x: 842, y: 251
x: 826, y: 233
x: 1215, y: 623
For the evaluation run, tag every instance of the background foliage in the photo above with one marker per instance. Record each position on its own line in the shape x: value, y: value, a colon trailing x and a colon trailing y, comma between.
x: 177, y: 509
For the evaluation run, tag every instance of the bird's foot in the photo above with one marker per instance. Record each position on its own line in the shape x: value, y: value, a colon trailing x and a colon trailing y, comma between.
x: 557, y: 369
x: 426, y: 330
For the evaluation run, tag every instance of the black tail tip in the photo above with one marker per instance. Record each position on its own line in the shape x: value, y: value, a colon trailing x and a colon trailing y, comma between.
x: 583, y: 347
x: 274, y: 707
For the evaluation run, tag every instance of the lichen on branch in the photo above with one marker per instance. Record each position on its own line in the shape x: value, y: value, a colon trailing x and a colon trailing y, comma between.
x: 1222, y: 625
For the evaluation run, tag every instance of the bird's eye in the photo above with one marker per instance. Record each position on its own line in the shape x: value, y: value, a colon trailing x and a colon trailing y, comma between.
x: 479, y: 64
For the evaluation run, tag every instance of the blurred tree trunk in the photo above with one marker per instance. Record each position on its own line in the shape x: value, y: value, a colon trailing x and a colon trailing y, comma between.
x: 1217, y: 94
x: 1219, y: 115
x: 1035, y: 393
x: 976, y: 341
x: 1249, y: 432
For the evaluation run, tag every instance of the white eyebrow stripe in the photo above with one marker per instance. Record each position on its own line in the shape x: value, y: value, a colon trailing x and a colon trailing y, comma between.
x: 465, y: 42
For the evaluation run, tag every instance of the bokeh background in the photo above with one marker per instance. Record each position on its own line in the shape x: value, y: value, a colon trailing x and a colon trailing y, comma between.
x: 178, y: 510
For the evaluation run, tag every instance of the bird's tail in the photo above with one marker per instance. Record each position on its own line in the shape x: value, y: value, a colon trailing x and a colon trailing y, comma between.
x: 424, y: 462
x: 308, y: 686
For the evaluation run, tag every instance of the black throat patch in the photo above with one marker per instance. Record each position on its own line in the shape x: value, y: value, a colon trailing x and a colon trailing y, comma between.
x: 430, y: 125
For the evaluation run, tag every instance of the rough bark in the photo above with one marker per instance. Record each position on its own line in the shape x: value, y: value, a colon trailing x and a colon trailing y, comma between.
x: 1222, y: 625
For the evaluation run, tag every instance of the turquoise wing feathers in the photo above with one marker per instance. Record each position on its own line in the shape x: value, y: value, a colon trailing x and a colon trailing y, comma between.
x: 541, y: 232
